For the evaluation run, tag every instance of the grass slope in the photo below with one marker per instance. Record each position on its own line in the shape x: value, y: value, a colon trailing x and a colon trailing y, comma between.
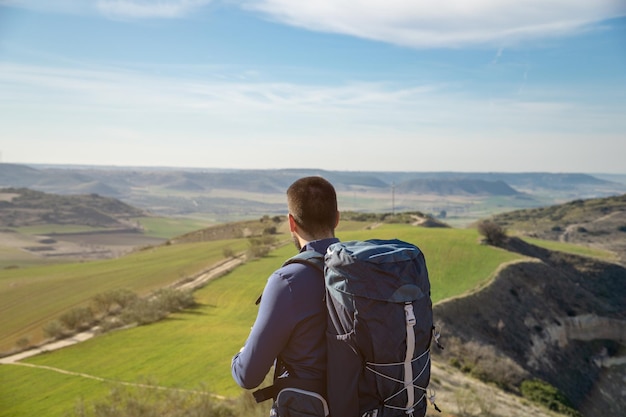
x: 195, y: 347
x: 31, y: 297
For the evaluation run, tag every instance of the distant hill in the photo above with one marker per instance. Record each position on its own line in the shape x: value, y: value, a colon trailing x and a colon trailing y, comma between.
x: 233, y: 194
x: 120, y: 179
x: 19, y: 175
x: 23, y: 207
x: 461, y: 186
x: 597, y: 222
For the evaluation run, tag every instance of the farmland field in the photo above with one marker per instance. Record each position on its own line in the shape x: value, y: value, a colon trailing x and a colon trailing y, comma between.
x: 31, y: 297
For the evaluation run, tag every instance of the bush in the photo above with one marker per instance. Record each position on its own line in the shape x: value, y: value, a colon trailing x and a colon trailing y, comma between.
x: 78, y: 318
x: 228, y: 252
x: 172, y: 300
x: 124, y: 297
x: 104, y: 302
x: 147, y: 400
x: 258, y: 251
x: 260, y: 247
x: 548, y: 396
x: 269, y: 230
x: 143, y: 312
x: 23, y: 343
x: 473, y: 403
x: 494, y: 233
x: 157, y: 306
x: 54, y: 330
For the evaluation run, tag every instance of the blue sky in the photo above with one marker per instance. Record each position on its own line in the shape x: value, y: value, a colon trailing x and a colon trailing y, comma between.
x: 393, y: 85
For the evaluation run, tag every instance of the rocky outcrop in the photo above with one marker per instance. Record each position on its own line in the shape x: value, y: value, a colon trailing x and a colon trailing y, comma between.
x: 553, y: 316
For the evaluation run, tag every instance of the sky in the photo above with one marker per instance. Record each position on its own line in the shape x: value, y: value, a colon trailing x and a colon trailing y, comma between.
x: 354, y: 85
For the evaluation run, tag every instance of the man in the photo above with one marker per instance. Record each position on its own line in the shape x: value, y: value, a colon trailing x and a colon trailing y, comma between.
x: 291, y: 323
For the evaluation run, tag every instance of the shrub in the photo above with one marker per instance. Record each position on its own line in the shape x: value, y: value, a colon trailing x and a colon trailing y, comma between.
x: 124, y: 297
x: 54, y: 330
x: 104, y: 302
x: 143, y: 312
x: 23, y: 343
x: 269, y: 230
x: 494, y: 233
x: 228, y: 252
x: 548, y: 396
x: 147, y: 400
x: 77, y: 318
x: 157, y: 306
x: 258, y: 251
x: 172, y: 300
x: 260, y: 247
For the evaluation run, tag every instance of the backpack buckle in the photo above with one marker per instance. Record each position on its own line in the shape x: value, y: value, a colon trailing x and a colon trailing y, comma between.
x: 409, y: 314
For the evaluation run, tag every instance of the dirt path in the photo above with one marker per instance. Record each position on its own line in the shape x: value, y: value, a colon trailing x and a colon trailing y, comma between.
x: 97, y: 378
x: 212, y: 273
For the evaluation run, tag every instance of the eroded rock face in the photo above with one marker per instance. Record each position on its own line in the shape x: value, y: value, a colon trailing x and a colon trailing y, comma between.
x: 557, y: 317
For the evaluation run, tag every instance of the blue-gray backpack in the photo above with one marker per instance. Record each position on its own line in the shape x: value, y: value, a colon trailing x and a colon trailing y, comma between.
x: 380, y: 327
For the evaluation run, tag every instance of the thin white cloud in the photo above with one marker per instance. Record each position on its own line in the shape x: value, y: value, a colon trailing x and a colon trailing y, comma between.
x: 141, y: 9
x: 350, y: 107
x: 116, y: 9
x: 445, y: 23
x: 53, y: 6
x: 411, y: 23
x: 121, y: 89
x: 125, y: 116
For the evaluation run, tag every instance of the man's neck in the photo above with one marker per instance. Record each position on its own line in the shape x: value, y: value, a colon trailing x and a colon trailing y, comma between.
x: 306, y: 240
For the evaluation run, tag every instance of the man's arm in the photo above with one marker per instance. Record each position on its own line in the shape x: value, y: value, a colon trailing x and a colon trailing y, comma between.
x: 269, y: 335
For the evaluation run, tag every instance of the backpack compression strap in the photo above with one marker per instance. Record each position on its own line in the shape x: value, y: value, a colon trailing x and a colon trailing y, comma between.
x: 410, y: 350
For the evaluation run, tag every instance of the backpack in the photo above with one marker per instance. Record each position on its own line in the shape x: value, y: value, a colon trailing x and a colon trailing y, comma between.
x: 380, y: 327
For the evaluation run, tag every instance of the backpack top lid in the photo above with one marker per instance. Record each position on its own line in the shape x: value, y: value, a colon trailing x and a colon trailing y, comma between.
x: 383, y: 270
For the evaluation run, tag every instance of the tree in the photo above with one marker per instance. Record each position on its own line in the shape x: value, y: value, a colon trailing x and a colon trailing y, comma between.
x: 494, y: 233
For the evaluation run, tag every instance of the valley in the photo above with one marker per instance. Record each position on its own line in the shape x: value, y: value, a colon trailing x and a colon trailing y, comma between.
x: 547, y: 304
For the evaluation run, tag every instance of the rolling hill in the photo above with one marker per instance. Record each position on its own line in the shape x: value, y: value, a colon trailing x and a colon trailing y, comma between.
x: 21, y: 207
x: 229, y: 194
x: 597, y: 222
x: 508, y: 314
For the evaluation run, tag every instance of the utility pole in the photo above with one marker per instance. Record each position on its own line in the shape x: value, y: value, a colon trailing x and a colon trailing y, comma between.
x: 393, y: 199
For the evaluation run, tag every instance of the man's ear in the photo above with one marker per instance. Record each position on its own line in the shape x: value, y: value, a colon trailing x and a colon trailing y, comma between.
x: 292, y: 223
x: 337, y: 221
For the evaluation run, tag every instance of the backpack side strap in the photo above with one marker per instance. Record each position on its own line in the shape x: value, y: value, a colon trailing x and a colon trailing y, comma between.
x: 279, y: 384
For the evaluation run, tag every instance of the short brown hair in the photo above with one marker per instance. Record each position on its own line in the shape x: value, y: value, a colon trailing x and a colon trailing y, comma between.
x: 312, y: 202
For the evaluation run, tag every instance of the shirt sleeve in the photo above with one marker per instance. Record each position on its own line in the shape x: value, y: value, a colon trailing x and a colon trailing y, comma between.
x: 269, y: 335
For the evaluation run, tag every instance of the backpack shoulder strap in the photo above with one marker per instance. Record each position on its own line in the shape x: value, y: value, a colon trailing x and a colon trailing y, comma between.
x: 308, y: 257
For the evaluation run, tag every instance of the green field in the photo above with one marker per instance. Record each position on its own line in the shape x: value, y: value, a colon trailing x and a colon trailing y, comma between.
x: 161, y: 227
x: 573, y: 249
x: 31, y: 297
x: 168, y: 227
x: 194, y: 348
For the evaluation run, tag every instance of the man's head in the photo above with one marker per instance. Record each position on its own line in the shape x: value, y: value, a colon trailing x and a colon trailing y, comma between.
x: 312, y: 203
